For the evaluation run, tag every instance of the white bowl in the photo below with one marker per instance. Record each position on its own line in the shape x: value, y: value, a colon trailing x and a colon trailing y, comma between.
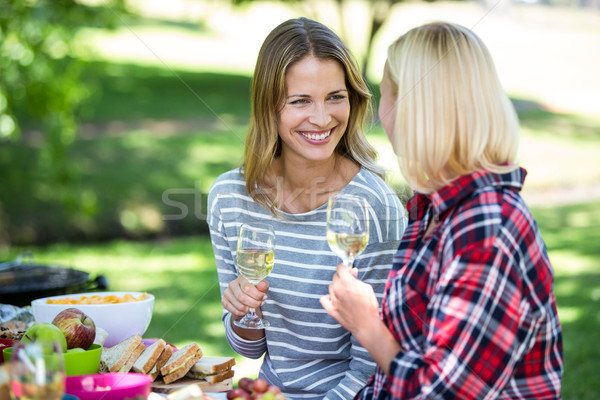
x: 120, y: 320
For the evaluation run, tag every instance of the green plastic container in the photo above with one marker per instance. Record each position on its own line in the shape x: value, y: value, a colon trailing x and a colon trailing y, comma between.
x: 82, y: 363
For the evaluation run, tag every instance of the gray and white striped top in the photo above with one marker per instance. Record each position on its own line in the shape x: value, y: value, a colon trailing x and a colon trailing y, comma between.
x: 307, y: 353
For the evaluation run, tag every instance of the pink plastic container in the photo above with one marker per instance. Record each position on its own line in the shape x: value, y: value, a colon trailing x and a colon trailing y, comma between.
x: 109, y: 386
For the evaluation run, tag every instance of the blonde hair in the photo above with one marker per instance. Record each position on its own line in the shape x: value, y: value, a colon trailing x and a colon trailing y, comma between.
x: 287, y: 44
x: 453, y: 116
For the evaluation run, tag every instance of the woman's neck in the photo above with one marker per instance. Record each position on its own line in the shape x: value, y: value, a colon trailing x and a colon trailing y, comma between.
x: 298, y: 187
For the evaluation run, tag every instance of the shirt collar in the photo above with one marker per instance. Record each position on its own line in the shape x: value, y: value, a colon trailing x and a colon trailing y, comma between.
x: 462, y: 187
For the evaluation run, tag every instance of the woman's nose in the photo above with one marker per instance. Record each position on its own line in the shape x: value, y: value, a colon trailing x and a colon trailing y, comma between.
x: 320, y: 116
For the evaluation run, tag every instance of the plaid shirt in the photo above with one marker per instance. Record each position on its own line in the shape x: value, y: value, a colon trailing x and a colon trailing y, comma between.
x: 472, y: 303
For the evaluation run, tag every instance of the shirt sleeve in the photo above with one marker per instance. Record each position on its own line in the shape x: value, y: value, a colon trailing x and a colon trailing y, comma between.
x: 477, y: 326
x: 373, y: 265
x: 227, y: 272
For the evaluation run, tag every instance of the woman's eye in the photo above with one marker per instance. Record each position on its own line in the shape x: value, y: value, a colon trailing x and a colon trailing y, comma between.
x: 299, y: 101
x: 337, y: 97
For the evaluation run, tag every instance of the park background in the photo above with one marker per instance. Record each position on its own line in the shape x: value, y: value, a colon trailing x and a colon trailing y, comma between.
x: 114, y: 127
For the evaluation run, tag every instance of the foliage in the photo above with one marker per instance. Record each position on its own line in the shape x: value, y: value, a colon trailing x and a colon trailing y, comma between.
x: 39, y: 80
x: 377, y: 15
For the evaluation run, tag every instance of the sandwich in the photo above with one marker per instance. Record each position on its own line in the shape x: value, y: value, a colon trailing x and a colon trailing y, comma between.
x: 212, y: 369
x: 149, y: 357
x: 122, y: 356
x: 162, y: 360
x: 180, y: 362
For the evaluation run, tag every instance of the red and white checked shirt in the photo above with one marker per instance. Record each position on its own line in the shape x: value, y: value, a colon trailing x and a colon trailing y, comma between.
x: 472, y: 304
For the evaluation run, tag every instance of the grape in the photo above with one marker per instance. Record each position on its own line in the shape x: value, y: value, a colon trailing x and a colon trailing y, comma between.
x: 238, y: 393
x: 274, y: 389
x: 259, y: 389
x: 260, y: 385
x: 246, y: 384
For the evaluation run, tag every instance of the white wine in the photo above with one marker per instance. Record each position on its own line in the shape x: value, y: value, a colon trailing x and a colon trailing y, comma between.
x: 255, y: 264
x: 347, y: 245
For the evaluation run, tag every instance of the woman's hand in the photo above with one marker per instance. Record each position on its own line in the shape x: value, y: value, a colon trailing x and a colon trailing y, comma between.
x: 241, y: 295
x: 350, y: 301
x: 354, y: 305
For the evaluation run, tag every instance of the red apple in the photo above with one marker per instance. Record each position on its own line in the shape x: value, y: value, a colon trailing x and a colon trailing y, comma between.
x: 78, y: 328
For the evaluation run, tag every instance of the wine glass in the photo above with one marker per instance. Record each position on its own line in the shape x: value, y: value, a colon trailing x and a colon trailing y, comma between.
x: 37, y: 371
x: 347, y: 226
x: 255, y: 256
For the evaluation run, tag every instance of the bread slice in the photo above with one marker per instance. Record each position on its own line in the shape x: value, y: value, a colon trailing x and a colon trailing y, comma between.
x: 116, y: 358
x: 180, y: 362
x: 162, y: 360
x: 133, y: 356
x: 212, y: 378
x: 213, y: 365
x: 148, y: 358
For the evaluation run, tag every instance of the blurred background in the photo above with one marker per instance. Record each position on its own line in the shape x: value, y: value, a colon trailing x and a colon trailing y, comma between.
x: 117, y: 115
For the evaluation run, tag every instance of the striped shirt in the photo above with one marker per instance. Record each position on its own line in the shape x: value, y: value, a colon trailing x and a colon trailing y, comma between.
x: 472, y: 304
x: 307, y: 353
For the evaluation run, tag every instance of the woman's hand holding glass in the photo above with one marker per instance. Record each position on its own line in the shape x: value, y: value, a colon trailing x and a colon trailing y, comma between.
x: 255, y: 257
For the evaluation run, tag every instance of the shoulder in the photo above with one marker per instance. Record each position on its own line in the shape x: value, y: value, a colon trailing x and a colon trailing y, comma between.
x: 229, y: 185
x: 376, y: 191
x: 491, y: 216
x: 229, y: 182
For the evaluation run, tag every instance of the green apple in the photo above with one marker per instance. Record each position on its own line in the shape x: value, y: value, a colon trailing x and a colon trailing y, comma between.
x: 45, y: 331
x: 76, y: 350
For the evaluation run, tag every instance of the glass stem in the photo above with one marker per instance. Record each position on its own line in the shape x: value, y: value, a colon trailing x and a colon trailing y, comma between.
x: 348, y: 262
x: 251, y: 314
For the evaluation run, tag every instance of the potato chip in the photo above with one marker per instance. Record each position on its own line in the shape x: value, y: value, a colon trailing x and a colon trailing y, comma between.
x: 97, y: 299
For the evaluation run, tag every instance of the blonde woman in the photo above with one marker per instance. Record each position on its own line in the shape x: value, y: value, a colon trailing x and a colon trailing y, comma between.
x: 469, y: 310
x: 305, y: 144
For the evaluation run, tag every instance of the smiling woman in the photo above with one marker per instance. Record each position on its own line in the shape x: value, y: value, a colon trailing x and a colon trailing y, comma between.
x: 305, y: 144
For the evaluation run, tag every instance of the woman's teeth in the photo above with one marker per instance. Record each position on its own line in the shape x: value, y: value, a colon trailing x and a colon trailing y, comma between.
x: 316, y: 136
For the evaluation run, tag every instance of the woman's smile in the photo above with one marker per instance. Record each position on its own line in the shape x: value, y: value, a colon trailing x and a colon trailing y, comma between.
x: 316, y: 136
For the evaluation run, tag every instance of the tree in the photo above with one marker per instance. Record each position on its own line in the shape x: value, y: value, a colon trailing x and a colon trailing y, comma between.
x: 39, y: 80
x: 379, y: 11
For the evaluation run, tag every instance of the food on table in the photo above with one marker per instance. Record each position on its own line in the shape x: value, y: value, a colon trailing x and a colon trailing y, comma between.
x: 212, y: 369
x: 180, y: 362
x: 122, y: 356
x: 45, y: 331
x: 11, y: 333
x: 96, y: 299
x: 150, y: 357
x: 101, y: 335
x: 188, y: 392
x: 259, y: 389
x: 162, y: 360
x: 78, y: 328
x: 159, y: 358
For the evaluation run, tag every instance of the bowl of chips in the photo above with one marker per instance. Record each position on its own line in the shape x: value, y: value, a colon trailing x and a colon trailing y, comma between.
x: 119, y: 314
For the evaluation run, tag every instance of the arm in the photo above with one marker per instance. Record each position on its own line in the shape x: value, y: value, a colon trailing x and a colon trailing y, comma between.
x: 372, y: 270
x: 237, y: 294
x: 474, y: 330
x: 347, y: 295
